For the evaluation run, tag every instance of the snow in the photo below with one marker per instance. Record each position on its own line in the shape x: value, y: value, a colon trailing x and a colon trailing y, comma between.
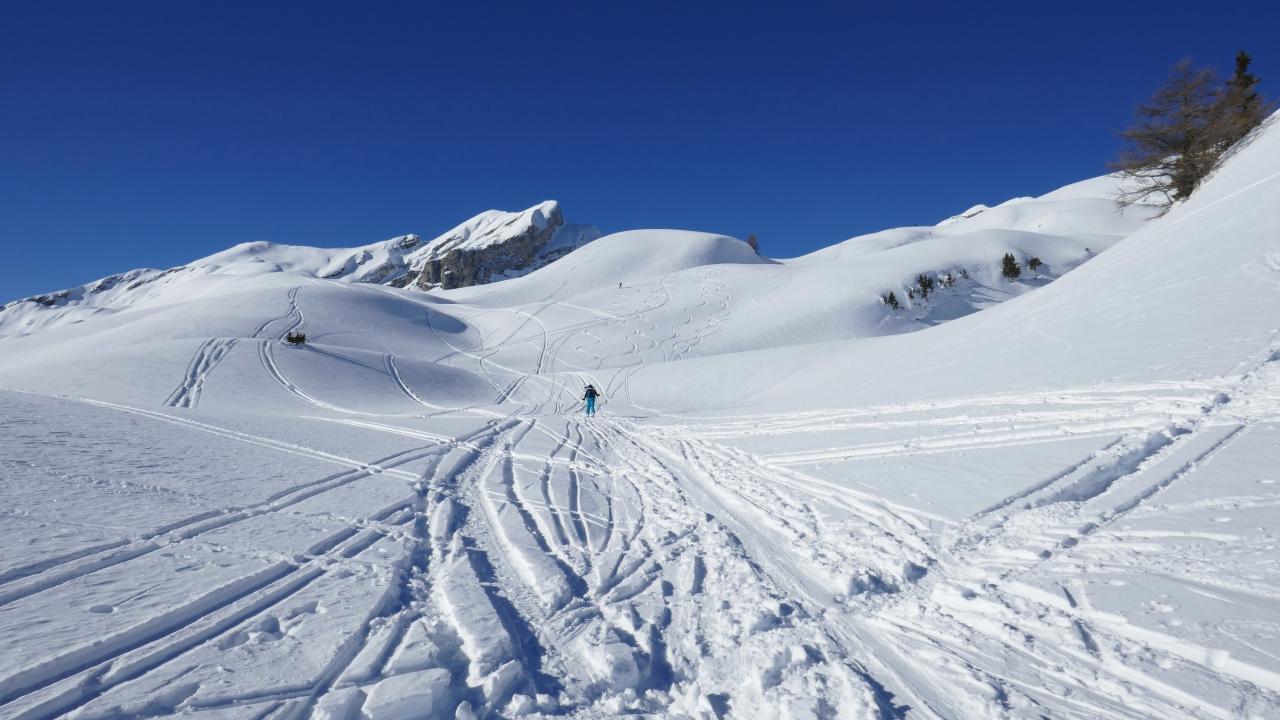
x: 1053, y: 497
x: 976, y: 209
x: 387, y: 262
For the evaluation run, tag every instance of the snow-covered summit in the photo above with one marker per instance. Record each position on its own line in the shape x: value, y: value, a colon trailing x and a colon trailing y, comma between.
x: 623, y: 258
x: 976, y: 209
x: 495, y: 226
x: 494, y: 245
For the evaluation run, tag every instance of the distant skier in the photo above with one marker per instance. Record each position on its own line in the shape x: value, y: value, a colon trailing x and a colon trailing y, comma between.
x: 590, y: 396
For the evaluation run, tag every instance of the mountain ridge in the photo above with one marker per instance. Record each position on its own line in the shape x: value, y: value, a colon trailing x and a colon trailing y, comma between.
x: 1063, y: 228
x: 491, y: 246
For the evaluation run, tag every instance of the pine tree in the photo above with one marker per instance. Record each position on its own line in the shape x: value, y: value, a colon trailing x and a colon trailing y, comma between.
x: 1009, y: 267
x: 891, y: 300
x: 1240, y: 108
x: 1034, y: 264
x: 925, y: 283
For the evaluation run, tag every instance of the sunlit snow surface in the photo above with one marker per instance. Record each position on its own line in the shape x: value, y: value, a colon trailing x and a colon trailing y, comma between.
x: 790, y: 505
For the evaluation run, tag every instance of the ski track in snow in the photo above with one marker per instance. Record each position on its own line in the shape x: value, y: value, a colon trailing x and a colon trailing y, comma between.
x: 214, y: 350
x: 558, y: 571
x: 530, y: 559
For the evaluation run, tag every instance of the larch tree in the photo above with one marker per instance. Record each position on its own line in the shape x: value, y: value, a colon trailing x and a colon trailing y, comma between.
x: 1181, y: 134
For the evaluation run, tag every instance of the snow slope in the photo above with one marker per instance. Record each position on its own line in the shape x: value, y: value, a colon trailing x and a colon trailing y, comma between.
x: 534, y: 238
x: 796, y: 502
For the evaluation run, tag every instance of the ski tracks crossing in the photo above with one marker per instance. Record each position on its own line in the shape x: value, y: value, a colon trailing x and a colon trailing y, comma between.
x: 213, y: 351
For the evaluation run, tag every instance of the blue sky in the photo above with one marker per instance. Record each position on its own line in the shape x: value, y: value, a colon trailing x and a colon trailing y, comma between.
x: 147, y: 134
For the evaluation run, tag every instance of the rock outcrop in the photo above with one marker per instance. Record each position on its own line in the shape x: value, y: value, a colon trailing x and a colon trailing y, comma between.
x: 493, y: 246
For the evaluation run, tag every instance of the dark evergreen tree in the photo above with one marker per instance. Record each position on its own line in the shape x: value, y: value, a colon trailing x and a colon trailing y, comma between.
x: 891, y: 300
x: 296, y: 338
x: 1009, y: 267
x: 925, y: 283
x: 1240, y: 108
x: 1034, y: 264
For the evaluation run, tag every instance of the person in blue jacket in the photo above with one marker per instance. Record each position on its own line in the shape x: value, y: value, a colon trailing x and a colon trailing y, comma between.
x: 590, y: 396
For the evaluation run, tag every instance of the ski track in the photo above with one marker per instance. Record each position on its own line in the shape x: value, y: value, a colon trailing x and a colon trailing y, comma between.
x: 213, y: 351
x: 539, y: 548
x: 191, y: 624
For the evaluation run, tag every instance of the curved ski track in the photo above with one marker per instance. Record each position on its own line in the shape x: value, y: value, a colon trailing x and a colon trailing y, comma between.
x: 213, y: 351
x: 567, y: 563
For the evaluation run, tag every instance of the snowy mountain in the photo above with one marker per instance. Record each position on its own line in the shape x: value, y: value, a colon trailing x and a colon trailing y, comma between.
x: 1051, y: 496
x: 491, y: 246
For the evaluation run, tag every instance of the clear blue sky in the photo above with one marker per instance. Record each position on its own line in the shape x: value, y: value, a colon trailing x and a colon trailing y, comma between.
x: 147, y: 134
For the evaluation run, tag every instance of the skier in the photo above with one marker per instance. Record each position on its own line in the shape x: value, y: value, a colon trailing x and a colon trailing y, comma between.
x: 590, y: 396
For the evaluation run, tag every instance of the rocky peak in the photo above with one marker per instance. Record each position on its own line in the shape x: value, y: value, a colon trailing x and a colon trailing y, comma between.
x: 494, y: 245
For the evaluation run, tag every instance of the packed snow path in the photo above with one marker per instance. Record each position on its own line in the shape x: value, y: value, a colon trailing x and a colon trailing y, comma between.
x: 515, y: 557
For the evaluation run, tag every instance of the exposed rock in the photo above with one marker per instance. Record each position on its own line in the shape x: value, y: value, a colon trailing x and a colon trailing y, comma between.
x: 492, y: 246
x: 463, y: 264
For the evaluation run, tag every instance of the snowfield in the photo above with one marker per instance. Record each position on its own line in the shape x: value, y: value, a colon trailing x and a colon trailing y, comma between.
x: 1055, y: 497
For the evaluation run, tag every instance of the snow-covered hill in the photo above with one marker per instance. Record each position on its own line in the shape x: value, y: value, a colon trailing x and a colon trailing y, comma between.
x: 491, y: 246
x: 1048, y: 497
